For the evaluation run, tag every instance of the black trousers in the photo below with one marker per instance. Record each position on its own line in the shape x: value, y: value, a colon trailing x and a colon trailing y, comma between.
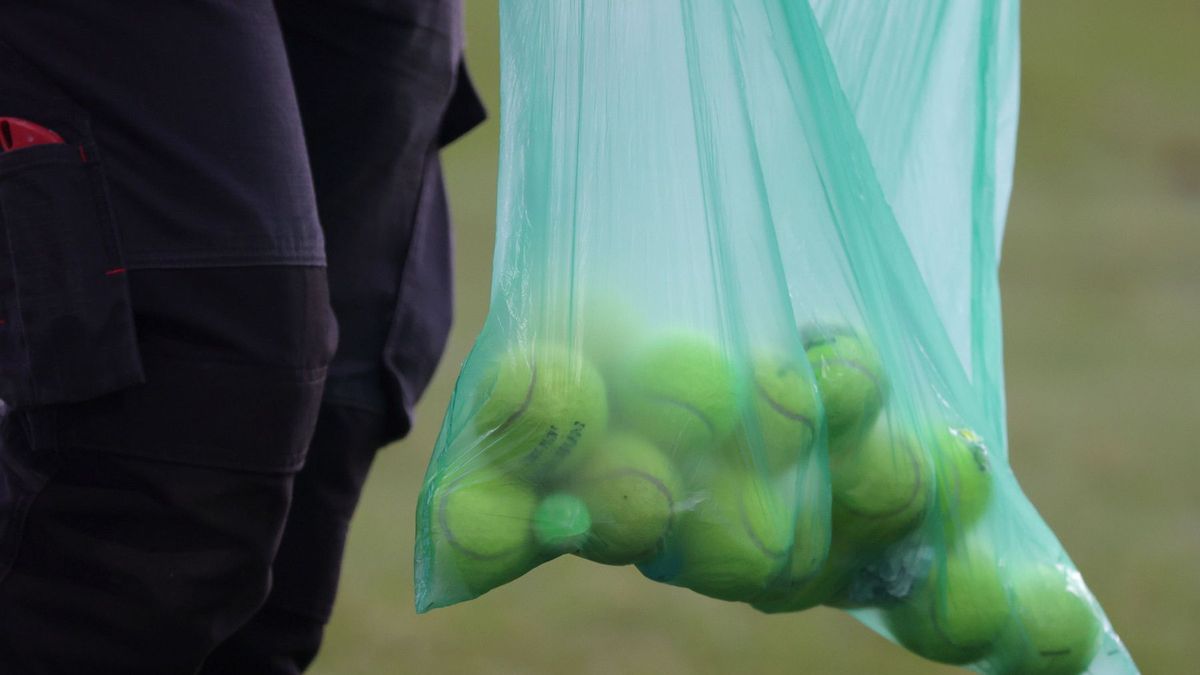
x: 220, y: 294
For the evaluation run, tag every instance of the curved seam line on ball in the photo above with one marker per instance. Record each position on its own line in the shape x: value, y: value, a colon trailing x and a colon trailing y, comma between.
x: 512, y: 419
x: 762, y: 546
x: 454, y: 540
x: 712, y: 430
x: 779, y: 408
x: 860, y: 368
x: 899, y: 509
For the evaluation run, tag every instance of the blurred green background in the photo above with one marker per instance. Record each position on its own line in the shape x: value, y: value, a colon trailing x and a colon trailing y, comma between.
x: 1101, y: 283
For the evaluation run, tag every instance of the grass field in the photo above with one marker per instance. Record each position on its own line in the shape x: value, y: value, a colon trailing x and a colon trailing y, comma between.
x: 1101, y: 283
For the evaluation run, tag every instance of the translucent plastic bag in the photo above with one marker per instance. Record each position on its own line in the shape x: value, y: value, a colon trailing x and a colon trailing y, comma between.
x: 639, y: 394
x: 745, y: 327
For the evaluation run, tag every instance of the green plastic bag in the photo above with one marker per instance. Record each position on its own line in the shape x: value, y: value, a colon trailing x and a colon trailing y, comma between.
x: 745, y: 325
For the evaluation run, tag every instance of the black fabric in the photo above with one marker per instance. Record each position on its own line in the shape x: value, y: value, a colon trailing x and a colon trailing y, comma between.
x: 66, y: 329
x: 196, y: 108
x: 193, y: 107
x: 128, y: 566
x: 277, y: 640
x: 235, y: 362
x: 139, y: 528
x: 375, y: 81
x: 424, y: 307
x: 464, y: 112
x: 283, y: 637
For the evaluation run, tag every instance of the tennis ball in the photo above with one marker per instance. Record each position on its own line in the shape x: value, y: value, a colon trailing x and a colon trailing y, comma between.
x: 631, y: 491
x: 561, y: 523
x: 1056, y: 632
x: 821, y: 588
x: 735, y: 540
x: 849, y: 376
x: 964, y: 478
x: 539, y: 408
x: 810, y: 544
x: 818, y: 569
x: 957, y: 614
x: 680, y: 393
x: 880, y: 492
x: 785, y: 405
x: 481, y: 529
x: 881, y: 488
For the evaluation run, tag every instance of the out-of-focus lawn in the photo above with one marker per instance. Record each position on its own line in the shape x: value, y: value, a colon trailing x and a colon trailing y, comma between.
x: 1101, y: 282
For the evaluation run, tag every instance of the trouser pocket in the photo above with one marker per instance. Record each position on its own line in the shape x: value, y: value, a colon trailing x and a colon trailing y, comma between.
x: 66, y: 325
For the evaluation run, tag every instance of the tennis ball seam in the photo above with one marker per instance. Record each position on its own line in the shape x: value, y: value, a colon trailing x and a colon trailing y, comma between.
x: 695, y: 411
x: 856, y: 366
x: 653, y: 480
x: 898, y: 510
x: 828, y: 335
x: 748, y: 526
x: 666, y: 493
x: 979, y: 459
x: 784, y: 410
x: 933, y: 620
x: 448, y: 533
x: 516, y: 415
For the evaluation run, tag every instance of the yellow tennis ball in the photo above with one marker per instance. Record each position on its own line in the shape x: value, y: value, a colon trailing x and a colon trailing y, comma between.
x: 540, y: 407
x: 811, y: 544
x: 481, y: 530
x: 680, y: 393
x: 881, y: 488
x: 1056, y: 632
x: 958, y: 613
x: 963, y: 468
x: 734, y: 541
x: 786, y: 409
x: 880, y: 491
x: 819, y: 569
x: 850, y: 377
x: 819, y: 589
x: 631, y: 491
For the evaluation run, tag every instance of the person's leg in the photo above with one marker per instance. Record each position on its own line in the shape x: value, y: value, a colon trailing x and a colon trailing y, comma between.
x: 139, y: 517
x: 284, y: 635
x: 123, y: 562
x: 375, y: 82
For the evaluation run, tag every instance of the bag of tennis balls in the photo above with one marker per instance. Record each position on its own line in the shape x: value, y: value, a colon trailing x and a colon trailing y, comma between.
x: 683, y: 456
x: 744, y: 331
